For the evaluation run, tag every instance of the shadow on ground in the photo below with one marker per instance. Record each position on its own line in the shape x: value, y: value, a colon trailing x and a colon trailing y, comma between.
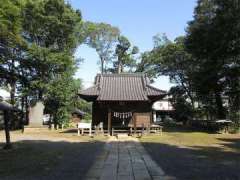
x: 186, y: 129
x: 48, y: 160
x: 73, y: 130
x: 198, y: 162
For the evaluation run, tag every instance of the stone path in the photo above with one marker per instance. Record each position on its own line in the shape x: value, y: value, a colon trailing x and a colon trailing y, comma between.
x: 125, y: 159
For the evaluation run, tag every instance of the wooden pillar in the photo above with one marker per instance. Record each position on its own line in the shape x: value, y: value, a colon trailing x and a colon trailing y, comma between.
x: 134, y: 123
x: 7, y: 133
x: 109, y: 121
x: 90, y: 131
x: 22, y: 114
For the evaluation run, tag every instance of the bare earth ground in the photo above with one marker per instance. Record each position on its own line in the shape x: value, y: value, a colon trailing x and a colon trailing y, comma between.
x: 48, y: 155
x: 190, y: 155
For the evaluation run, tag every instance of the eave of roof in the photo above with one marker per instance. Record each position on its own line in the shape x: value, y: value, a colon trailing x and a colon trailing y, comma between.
x: 152, y: 91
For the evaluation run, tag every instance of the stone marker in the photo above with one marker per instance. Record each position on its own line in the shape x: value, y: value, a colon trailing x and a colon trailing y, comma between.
x: 36, y: 115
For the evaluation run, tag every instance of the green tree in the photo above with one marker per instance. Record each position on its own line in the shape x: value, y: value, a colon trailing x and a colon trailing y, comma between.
x: 149, y: 60
x: 183, y: 109
x: 124, y: 55
x: 160, y: 40
x: 171, y: 59
x: 51, y: 28
x: 37, y: 42
x: 103, y: 38
x: 11, y: 44
x: 60, y: 98
x: 213, y: 39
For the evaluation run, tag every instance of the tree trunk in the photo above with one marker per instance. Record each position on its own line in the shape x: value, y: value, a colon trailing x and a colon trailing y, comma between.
x: 40, y: 94
x: 220, y: 110
x: 26, y: 110
x: 120, y: 67
x: 102, y: 65
x: 12, y: 92
x: 7, y: 133
x: 22, y: 114
x: 12, y: 101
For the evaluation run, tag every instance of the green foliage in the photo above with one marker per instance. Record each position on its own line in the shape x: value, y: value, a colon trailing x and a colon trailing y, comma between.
x: 213, y: 39
x: 60, y: 98
x: 160, y: 40
x: 147, y: 65
x: 101, y: 37
x: 87, y: 118
x: 205, y: 64
x: 170, y: 59
x: 183, y: 109
x: 37, y: 40
x: 11, y: 44
x: 150, y: 60
x: 124, y: 54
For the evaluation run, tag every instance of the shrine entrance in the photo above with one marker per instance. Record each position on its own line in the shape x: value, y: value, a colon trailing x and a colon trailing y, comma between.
x: 121, y: 119
x: 122, y: 101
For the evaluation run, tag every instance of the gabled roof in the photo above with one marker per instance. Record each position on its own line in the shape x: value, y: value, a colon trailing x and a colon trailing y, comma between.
x: 121, y: 87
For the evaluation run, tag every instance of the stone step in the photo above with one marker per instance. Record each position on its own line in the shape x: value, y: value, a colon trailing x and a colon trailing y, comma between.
x: 35, y: 128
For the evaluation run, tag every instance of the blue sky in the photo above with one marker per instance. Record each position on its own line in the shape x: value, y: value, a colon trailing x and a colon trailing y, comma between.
x: 138, y: 20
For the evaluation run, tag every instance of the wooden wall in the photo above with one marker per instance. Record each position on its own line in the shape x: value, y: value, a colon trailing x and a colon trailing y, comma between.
x: 142, y: 119
x: 141, y: 110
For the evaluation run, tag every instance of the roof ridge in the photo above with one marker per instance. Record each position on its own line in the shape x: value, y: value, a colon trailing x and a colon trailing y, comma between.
x: 121, y: 74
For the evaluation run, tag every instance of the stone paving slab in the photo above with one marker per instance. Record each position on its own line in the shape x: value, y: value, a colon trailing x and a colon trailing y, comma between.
x: 125, y: 159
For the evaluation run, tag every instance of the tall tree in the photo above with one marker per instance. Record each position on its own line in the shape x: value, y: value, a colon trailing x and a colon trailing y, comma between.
x: 124, y: 55
x: 50, y: 30
x: 171, y: 59
x: 11, y: 44
x: 103, y: 38
x: 148, y: 62
x: 160, y: 40
x: 213, y: 39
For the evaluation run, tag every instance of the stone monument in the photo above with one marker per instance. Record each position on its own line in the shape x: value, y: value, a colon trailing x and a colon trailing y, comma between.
x: 36, y: 114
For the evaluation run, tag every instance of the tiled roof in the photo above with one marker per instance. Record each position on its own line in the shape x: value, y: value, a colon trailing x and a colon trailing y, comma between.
x: 121, y: 87
x: 92, y: 91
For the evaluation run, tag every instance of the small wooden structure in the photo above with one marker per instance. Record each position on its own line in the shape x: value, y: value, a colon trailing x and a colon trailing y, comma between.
x: 122, y: 102
x: 77, y: 116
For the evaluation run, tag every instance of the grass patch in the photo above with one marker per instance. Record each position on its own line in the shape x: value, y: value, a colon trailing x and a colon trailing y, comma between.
x: 182, y: 139
x: 228, y: 142
x: 187, y: 154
